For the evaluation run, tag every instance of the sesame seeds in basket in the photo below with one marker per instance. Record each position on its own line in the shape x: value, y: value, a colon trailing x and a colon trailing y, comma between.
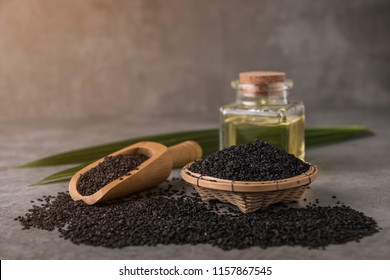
x: 250, y: 176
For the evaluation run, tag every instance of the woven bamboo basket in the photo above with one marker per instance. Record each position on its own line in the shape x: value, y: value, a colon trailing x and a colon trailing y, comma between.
x: 250, y: 196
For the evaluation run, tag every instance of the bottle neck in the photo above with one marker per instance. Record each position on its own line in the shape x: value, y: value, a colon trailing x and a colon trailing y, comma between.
x: 258, y: 94
x: 274, y: 98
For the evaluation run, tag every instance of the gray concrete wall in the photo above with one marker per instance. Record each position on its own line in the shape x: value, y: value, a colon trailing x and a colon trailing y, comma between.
x: 100, y: 58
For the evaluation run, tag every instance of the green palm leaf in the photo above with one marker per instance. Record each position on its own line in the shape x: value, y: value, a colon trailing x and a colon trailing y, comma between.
x: 208, y: 139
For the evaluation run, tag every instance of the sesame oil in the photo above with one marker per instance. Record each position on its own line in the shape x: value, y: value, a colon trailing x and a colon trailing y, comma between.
x: 262, y: 112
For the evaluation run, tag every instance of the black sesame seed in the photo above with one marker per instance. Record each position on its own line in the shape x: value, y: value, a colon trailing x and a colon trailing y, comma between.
x: 257, y: 161
x: 112, y: 168
x: 150, y: 219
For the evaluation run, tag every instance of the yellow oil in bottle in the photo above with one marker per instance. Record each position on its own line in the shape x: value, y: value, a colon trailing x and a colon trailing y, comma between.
x: 284, y: 132
x: 262, y: 111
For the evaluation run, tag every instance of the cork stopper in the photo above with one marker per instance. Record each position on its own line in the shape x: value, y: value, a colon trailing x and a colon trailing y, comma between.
x: 262, y: 83
x: 262, y: 78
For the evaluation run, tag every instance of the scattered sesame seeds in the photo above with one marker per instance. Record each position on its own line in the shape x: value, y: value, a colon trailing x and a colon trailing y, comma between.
x: 169, y: 216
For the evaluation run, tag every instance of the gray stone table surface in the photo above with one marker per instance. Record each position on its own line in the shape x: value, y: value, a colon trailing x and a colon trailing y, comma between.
x: 357, y: 172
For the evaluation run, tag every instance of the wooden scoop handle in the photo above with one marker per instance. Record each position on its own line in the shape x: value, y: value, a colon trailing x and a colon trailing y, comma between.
x: 184, y: 153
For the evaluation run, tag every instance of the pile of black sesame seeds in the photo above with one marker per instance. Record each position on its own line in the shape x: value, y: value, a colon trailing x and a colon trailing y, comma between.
x: 256, y: 161
x: 112, y: 168
x: 172, y: 214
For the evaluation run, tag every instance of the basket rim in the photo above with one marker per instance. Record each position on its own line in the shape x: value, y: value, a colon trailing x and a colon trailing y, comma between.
x: 213, y: 183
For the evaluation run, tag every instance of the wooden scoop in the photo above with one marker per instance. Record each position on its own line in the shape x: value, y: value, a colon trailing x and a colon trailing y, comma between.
x: 150, y: 173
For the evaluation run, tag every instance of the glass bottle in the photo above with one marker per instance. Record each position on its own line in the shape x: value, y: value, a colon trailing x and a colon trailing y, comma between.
x: 262, y: 111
